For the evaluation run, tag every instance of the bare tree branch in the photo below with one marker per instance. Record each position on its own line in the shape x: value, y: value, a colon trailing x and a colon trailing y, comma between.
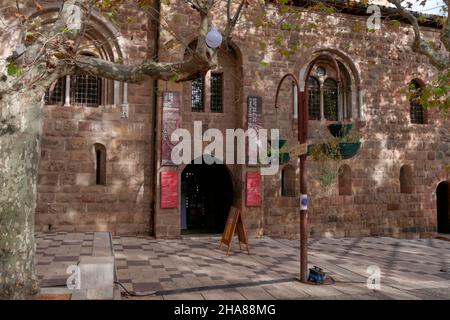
x: 231, y: 23
x: 421, y: 46
x: 178, y: 71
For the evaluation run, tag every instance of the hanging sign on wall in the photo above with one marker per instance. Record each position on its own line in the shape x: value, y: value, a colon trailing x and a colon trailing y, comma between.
x: 169, y: 190
x: 254, y: 113
x: 254, y: 119
x: 171, y: 103
x: 253, y: 185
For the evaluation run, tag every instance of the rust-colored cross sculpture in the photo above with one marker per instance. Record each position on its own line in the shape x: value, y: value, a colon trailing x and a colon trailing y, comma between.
x: 302, y: 111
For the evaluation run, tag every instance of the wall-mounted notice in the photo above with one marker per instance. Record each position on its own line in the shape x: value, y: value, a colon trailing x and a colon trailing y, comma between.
x: 253, y: 198
x: 171, y: 103
x: 254, y: 113
x: 254, y: 121
x: 169, y: 190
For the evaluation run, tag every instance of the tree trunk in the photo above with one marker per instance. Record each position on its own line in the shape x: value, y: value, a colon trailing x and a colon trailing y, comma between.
x: 20, y: 135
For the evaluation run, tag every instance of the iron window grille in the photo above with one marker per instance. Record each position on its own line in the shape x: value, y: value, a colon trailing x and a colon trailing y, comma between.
x: 86, y: 90
x: 416, y: 110
x: 216, y: 92
x: 313, y: 98
x: 55, y: 94
x: 330, y: 100
x: 197, y: 90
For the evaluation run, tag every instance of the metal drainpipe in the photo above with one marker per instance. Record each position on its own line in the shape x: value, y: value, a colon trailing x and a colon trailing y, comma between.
x: 154, y: 118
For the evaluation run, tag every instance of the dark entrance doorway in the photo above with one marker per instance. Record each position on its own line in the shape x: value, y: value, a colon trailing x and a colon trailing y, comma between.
x: 443, y: 207
x: 206, y: 198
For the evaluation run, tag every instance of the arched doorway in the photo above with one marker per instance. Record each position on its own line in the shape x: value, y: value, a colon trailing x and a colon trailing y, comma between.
x: 443, y: 207
x: 206, y: 198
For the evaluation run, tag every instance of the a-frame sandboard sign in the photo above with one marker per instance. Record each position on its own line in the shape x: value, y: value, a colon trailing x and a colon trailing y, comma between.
x: 234, y: 222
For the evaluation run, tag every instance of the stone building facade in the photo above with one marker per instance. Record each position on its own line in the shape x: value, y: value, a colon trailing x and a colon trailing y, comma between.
x: 101, y: 160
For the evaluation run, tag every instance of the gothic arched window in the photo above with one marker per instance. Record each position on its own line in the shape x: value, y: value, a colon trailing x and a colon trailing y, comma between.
x: 314, y: 98
x: 330, y: 99
x: 86, y: 90
x: 55, y: 94
x: 100, y: 164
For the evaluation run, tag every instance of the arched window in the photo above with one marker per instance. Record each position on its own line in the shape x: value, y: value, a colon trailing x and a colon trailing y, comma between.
x: 417, y: 112
x: 55, y: 94
x: 330, y: 99
x: 216, y: 91
x: 288, y: 181
x: 406, y: 179
x: 198, y: 93
x: 314, y: 98
x: 345, y: 181
x: 86, y: 90
x: 100, y: 164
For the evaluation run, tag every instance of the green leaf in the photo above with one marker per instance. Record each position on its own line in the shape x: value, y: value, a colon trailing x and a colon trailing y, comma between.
x: 13, y: 70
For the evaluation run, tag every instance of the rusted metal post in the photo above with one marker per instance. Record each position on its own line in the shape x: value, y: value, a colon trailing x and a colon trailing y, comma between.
x: 302, y: 112
x: 302, y: 137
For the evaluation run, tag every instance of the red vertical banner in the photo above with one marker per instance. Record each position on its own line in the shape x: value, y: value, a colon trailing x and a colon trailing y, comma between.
x: 171, y: 102
x: 253, y: 198
x: 169, y: 190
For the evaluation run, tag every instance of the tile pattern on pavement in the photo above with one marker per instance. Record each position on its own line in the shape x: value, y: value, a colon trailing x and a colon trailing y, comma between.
x: 196, y: 269
x: 56, y: 251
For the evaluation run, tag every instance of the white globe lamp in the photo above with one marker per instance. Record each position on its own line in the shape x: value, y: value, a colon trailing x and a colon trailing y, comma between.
x: 213, y: 38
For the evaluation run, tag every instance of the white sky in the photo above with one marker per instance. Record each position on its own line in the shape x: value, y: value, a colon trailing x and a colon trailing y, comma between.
x: 431, y: 6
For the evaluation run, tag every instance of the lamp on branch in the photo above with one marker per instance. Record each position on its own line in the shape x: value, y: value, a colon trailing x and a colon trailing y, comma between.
x: 213, y: 38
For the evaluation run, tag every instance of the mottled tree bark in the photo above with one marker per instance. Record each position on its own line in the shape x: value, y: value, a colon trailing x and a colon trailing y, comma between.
x: 21, y: 124
x: 20, y: 134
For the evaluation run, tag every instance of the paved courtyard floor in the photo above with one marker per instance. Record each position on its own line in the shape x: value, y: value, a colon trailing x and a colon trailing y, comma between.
x: 195, y: 268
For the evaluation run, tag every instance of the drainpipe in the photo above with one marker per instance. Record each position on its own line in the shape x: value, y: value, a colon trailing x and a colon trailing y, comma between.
x: 154, y: 117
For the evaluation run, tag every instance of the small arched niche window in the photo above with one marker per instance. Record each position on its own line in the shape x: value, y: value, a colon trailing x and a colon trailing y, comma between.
x: 55, y: 94
x: 417, y: 113
x: 406, y: 179
x: 330, y: 99
x: 86, y: 90
x: 345, y: 181
x: 314, y: 98
x: 288, y: 181
x: 100, y: 164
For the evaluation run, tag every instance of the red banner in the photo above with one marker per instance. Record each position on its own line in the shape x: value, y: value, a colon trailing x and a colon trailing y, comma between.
x: 253, y: 198
x: 170, y: 122
x: 169, y: 190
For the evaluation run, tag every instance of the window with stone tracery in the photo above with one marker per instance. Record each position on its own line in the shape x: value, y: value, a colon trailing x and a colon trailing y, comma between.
x: 314, y: 98
x: 330, y: 99
x: 55, y: 94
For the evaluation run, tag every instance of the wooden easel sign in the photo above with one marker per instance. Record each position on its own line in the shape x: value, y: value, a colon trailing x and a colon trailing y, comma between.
x: 234, y: 221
